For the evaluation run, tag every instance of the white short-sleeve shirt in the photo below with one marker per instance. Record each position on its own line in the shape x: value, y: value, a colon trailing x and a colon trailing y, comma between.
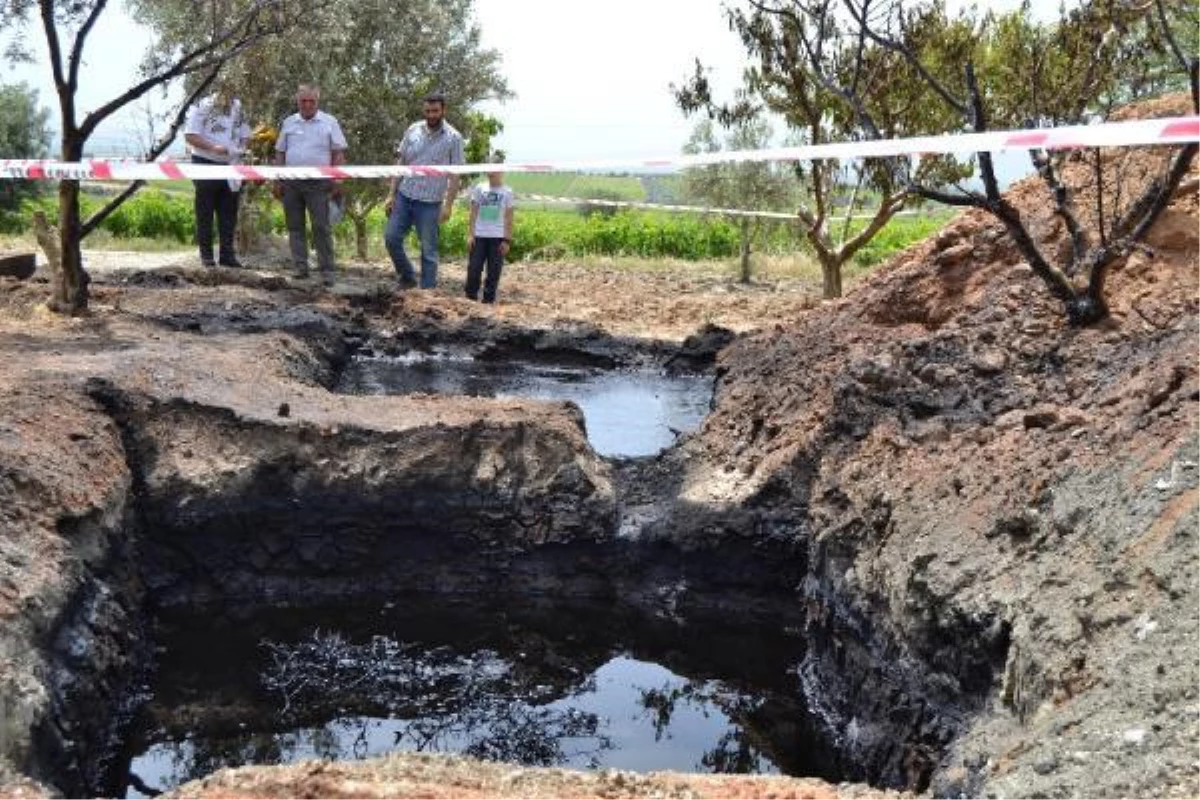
x: 492, y: 203
x: 223, y: 127
x: 310, y: 142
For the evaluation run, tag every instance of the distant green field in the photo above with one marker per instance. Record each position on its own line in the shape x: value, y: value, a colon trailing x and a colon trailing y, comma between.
x: 555, y: 184
x: 578, y: 185
x: 162, y: 216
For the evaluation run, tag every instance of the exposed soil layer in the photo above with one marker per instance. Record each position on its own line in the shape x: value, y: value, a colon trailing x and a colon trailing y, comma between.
x: 987, y: 518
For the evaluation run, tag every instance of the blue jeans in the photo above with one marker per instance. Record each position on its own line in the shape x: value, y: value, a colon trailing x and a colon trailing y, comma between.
x: 425, y: 217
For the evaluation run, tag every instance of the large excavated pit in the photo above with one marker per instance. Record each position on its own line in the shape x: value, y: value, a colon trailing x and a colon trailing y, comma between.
x: 274, y: 587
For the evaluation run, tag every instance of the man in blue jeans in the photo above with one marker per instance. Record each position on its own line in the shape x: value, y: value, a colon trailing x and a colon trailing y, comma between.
x: 423, y: 201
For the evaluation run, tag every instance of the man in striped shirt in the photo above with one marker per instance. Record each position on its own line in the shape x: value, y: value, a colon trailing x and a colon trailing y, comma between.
x: 423, y: 201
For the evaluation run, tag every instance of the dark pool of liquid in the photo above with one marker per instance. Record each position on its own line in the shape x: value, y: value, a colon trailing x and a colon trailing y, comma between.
x: 582, y: 687
x: 627, y: 413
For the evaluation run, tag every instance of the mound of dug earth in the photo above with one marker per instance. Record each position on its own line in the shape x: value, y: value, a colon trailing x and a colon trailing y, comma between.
x: 1002, y: 509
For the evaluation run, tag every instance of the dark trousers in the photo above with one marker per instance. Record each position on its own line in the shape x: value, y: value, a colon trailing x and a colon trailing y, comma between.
x: 215, y: 197
x: 311, y: 198
x: 484, y: 250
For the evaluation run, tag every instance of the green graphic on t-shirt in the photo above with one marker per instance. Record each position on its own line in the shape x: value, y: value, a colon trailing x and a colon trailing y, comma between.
x: 489, y: 213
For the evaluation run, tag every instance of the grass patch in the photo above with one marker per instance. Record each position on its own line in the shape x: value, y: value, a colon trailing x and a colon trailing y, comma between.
x: 901, y: 232
x: 578, y: 185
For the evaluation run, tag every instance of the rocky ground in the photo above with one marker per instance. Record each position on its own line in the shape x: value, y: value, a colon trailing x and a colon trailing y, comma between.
x: 988, y: 504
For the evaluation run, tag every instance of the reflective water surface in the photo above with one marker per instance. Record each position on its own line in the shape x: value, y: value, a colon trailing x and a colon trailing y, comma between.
x: 627, y: 413
x: 582, y: 687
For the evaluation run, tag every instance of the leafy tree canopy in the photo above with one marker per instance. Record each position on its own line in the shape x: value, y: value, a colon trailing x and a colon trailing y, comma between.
x: 373, y: 59
x: 24, y: 133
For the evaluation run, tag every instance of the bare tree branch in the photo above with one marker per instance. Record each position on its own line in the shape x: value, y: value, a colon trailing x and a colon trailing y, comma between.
x: 1062, y: 206
x: 77, y: 48
x: 237, y: 37
x: 54, y: 46
x: 887, y: 209
x: 1169, y: 35
x: 1098, y: 174
x: 159, y: 147
x: 861, y: 18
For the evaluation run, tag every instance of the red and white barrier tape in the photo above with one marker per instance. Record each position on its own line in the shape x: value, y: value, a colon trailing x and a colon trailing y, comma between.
x: 1172, y: 130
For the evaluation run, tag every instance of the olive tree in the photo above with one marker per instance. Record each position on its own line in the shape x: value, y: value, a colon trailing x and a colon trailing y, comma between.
x: 66, y: 28
x: 797, y: 63
x: 752, y: 186
x: 1009, y: 73
x: 374, y: 61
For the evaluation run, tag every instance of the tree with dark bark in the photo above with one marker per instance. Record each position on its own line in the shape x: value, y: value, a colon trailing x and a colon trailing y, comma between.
x: 66, y: 26
x: 798, y: 62
x: 1014, y: 73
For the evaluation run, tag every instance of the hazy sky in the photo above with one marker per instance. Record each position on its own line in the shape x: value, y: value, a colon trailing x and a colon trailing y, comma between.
x: 592, y: 79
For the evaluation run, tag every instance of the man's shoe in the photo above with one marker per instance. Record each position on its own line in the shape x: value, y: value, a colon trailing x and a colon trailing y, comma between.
x: 328, y: 278
x: 207, y: 262
x: 300, y: 272
x: 406, y: 283
x: 232, y: 263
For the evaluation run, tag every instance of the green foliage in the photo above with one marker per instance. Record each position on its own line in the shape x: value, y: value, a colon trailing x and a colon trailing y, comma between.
x: 161, y: 216
x: 899, y: 233
x: 481, y: 129
x: 804, y: 53
x: 608, y: 187
x: 540, y: 234
x: 1094, y: 57
x: 553, y: 184
x: 153, y: 215
x: 167, y: 218
x: 580, y: 185
x: 24, y: 133
x: 604, y: 208
x: 374, y: 62
x: 749, y: 185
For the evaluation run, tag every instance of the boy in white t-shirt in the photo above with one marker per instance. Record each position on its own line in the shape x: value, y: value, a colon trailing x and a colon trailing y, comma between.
x: 488, y: 235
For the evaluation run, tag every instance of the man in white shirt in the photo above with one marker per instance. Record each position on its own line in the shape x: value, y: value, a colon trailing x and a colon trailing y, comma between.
x: 310, y: 138
x: 216, y: 131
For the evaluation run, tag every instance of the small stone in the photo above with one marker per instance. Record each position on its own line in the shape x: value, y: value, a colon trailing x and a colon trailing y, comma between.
x: 1143, y: 626
x: 1046, y: 765
x: 1134, y: 735
x: 284, y: 410
x: 990, y: 362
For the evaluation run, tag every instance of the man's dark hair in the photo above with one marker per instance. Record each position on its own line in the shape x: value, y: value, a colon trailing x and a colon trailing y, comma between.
x: 436, y: 97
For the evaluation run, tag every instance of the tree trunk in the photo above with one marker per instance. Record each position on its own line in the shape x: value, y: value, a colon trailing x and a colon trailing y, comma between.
x: 70, y: 281
x: 745, y: 251
x: 360, y: 236
x: 831, y: 274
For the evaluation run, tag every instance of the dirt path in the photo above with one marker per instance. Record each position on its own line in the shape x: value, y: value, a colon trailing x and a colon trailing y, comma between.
x: 666, y: 299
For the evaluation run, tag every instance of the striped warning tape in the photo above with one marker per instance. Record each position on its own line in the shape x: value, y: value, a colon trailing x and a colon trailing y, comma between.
x: 1173, y: 130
